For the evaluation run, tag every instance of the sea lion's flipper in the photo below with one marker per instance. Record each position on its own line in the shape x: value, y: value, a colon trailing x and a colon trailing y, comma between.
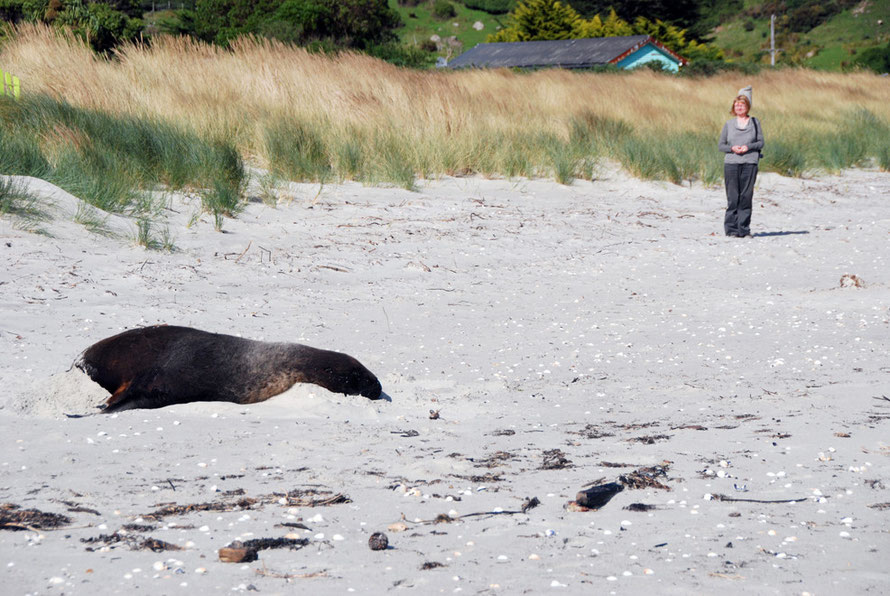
x: 145, y: 388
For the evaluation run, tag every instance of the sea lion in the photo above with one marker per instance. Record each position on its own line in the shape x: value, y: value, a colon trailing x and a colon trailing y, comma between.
x: 153, y: 367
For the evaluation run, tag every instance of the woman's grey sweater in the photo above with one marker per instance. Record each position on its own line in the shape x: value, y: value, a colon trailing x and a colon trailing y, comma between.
x: 732, y: 135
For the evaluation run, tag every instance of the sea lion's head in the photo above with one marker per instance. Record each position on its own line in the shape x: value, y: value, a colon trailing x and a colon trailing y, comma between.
x: 341, y: 373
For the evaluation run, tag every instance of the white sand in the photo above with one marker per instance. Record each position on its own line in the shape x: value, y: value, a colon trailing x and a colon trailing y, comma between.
x: 532, y: 317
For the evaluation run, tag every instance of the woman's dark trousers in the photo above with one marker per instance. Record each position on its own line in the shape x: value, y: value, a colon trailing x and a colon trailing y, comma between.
x: 740, y: 179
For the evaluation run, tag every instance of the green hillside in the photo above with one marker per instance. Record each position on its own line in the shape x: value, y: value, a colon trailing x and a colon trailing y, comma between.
x: 843, y: 28
x: 831, y: 45
x: 421, y: 25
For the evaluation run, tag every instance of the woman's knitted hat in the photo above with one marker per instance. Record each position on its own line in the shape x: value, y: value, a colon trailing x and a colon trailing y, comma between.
x: 747, y: 91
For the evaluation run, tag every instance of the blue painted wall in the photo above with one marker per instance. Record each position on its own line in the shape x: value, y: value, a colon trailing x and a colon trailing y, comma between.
x: 650, y: 53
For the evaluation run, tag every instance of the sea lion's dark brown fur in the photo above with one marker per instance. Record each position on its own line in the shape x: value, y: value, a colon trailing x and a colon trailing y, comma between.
x: 153, y: 367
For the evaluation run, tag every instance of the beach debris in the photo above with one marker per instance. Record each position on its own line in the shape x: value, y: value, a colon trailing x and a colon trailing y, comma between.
x: 246, y: 551
x: 267, y: 543
x: 172, y: 509
x: 434, y: 414
x: 649, y: 439
x: 397, y: 527
x: 504, y: 432
x: 476, y: 478
x: 494, y: 460
x: 297, y: 525
x: 134, y: 542
x: 431, y: 565
x: 269, y: 573
x: 237, y: 555
x: 641, y: 507
x: 592, y: 431
x: 530, y: 504
x: 690, y: 427
x: 555, y: 459
x: 12, y: 517
x: 75, y: 508
x: 405, y: 433
x: 646, y: 477
x: 849, y: 280
x: 378, y: 541
x: 596, y: 497
x: 138, y: 527
x: 453, y: 516
x: 305, y: 498
x: 719, y: 497
x: 293, y: 498
x: 880, y: 506
x: 600, y: 493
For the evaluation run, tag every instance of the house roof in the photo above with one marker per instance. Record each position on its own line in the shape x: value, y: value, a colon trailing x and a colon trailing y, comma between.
x: 563, y: 53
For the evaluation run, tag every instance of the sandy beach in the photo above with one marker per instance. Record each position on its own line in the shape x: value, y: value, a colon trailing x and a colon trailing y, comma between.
x: 532, y: 339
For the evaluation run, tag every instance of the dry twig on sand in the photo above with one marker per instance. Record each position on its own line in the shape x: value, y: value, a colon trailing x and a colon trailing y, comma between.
x: 719, y: 497
x: 444, y: 518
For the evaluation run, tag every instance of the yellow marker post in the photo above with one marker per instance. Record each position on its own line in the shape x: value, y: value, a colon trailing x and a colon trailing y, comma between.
x: 11, y: 84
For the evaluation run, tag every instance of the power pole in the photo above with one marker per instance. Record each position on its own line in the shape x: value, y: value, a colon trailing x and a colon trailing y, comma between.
x: 772, y: 40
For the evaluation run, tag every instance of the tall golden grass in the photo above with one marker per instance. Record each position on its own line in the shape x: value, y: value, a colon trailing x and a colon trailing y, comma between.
x: 441, y: 121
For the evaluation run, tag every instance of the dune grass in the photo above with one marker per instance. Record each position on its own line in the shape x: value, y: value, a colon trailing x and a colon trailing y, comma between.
x: 25, y: 210
x: 180, y: 114
x: 110, y: 159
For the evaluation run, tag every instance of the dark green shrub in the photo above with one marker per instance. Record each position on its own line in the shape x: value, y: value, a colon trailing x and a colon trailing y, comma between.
x: 11, y: 11
x: 876, y: 59
x: 442, y: 9
x: 491, y: 6
x: 709, y: 68
x: 402, y: 55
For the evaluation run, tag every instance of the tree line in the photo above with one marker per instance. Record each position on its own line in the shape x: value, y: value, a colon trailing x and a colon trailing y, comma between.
x: 371, y: 25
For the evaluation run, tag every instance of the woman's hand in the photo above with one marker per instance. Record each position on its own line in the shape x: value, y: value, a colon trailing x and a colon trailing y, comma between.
x: 740, y: 149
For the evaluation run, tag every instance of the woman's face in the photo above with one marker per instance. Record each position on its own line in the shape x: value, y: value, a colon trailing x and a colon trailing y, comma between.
x: 740, y: 108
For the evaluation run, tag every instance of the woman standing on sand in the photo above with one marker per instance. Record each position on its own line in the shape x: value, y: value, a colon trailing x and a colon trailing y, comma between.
x: 741, y: 140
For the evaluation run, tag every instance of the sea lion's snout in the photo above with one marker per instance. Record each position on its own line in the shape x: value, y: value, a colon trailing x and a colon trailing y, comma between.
x: 364, y: 383
x: 373, y: 390
x: 344, y: 374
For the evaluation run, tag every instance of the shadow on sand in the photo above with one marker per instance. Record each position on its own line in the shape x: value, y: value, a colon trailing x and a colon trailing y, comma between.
x: 767, y: 234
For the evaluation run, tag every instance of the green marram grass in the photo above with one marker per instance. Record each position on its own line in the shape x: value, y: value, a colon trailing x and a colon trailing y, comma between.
x: 25, y: 210
x: 112, y: 161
